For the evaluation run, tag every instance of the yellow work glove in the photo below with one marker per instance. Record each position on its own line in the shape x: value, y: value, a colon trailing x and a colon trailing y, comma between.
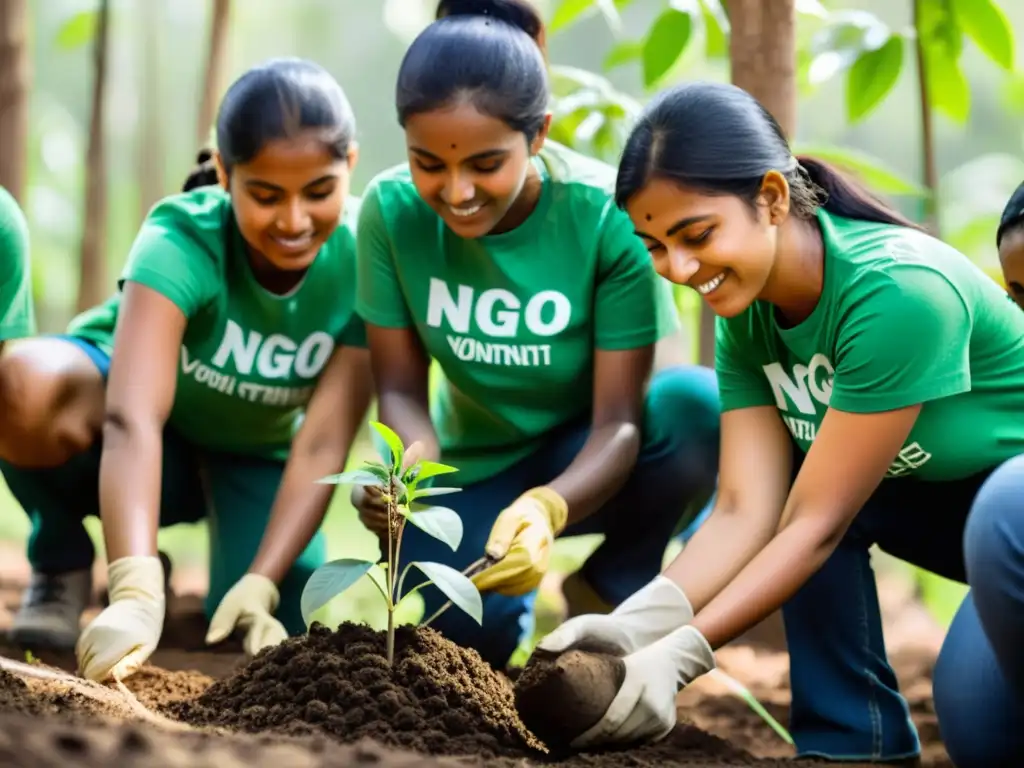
x: 521, y: 539
x: 124, y: 635
x: 249, y: 605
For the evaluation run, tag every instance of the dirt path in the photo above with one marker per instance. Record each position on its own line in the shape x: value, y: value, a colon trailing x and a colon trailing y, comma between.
x: 42, y: 724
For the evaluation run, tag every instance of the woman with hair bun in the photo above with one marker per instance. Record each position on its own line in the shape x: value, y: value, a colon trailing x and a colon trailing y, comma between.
x: 502, y: 256
x: 224, y: 378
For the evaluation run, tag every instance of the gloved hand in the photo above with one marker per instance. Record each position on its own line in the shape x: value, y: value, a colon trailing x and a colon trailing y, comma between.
x: 124, y: 635
x: 249, y: 604
x: 521, y: 539
x: 645, y: 616
x: 645, y: 707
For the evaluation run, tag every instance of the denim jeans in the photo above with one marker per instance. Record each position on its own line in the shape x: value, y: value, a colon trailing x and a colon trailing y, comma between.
x: 846, y: 700
x: 671, y: 483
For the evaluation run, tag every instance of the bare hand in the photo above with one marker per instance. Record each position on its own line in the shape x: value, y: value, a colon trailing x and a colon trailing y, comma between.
x: 369, y: 499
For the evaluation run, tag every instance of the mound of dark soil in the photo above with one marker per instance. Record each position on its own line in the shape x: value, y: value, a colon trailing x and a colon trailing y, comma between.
x: 437, y: 699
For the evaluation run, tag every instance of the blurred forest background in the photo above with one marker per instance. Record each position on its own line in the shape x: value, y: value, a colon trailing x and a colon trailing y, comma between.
x: 104, y: 104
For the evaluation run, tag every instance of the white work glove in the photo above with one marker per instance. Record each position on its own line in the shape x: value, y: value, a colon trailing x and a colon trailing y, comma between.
x: 124, y: 635
x: 645, y: 616
x: 645, y: 707
x: 250, y: 605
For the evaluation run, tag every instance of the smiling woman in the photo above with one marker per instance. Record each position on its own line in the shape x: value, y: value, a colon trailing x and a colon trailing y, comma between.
x: 502, y: 256
x: 872, y: 381
x: 183, y: 396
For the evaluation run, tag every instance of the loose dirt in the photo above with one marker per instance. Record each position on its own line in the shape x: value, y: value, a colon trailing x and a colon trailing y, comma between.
x: 368, y: 717
x: 437, y: 699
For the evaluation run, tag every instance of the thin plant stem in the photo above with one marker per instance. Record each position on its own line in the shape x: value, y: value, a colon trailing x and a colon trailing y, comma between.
x: 398, y: 548
x: 391, y: 576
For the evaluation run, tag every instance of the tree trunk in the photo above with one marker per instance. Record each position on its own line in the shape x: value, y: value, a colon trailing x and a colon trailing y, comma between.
x: 214, y: 71
x: 150, y: 144
x: 15, y: 75
x: 762, y: 52
x: 92, y: 285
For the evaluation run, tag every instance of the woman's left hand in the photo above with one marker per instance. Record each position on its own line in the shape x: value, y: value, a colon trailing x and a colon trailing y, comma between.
x: 250, y: 605
x: 645, y: 707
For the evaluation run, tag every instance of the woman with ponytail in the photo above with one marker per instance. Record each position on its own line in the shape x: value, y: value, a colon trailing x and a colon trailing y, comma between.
x: 227, y: 375
x: 502, y: 256
x: 872, y: 384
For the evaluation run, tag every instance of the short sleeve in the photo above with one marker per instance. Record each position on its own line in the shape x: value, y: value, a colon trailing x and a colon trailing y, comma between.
x: 905, y: 341
x: 354, y: 332
x: 741, y: 383
x: 17, y: 319
x: 626, y: 301
x: 379, y: 298
x: 170, y: 260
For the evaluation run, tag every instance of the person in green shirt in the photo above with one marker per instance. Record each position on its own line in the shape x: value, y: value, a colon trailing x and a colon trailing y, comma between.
x: 235, y: 375
x: 17, y: 318
x: 502, y: 256
x: 872, y: 384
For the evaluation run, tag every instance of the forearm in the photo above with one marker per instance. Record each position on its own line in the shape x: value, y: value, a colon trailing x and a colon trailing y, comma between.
x: 723, y: 545
x: 409, y: 416
x: 298, y: 511
x: 599, y: 470
x: 768, y: 580
x: 130, y: 483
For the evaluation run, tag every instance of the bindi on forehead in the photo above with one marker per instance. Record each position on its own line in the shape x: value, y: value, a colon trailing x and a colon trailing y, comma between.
x: 647, y: 216
x: 455, y: 146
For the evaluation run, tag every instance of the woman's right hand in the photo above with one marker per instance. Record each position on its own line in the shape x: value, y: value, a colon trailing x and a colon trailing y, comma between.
x: 373, y: 511
x: 124, y: 635
x: 369, y: 500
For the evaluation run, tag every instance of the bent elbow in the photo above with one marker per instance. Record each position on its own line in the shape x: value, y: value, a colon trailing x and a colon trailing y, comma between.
x: 122, y: 427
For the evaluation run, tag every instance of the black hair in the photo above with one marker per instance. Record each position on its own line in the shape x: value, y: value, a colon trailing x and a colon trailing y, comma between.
x: 277, y: 99
x: 1013, y: 215
x: 488, y: 52
x: 717, y: 138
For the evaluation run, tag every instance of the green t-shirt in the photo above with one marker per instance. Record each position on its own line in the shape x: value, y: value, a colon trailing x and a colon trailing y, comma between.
x: 250, y: 359
x: 512, y: 319
x: 17, y: 317
x: 903, y: 319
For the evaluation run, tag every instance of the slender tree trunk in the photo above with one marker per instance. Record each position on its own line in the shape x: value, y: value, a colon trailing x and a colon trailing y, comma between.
x: 150, y: 145
x: 762, y: 52
x: 214, y: 70
x: 15, y: 76
x: 928, y: 161
x: 92, y: 286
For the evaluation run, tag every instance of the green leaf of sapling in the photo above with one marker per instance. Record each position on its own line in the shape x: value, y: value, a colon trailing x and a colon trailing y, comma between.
x: 456, y: 587
x: 427, y: 469
x: 394, y: 444
x: 328, y: 581
x: 442, y: 523
x: 432, y: 491
x: 379, y: 470
x: 352, y: 477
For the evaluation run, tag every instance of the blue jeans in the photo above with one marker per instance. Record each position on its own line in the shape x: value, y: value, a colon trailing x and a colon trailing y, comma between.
x: 673, y: 479
x: 846, y: 701
x: 233, y: 493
